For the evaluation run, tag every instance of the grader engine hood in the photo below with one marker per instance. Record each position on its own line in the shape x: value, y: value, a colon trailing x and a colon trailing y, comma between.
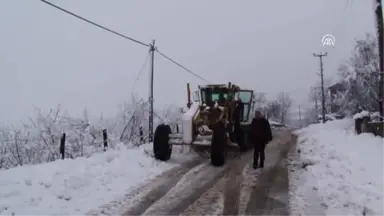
x: 189, y: 121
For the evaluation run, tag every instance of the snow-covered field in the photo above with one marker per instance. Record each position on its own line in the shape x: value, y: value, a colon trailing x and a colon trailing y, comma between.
x: 335, y: 172
x: 75, y: 187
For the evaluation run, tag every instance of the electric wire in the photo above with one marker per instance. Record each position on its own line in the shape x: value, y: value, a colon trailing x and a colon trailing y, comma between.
x: 178, y: 64
x: 141, y: 71
x: 347, y: 4
x: 124, y: 36
x: 93, y: 23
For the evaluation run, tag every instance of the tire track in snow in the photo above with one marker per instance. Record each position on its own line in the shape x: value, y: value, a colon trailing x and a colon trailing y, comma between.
x: 234, y: 180
x: 259, y: 199
x: 210, y: 203
x: 204, y: 189
x: 233, y: 189
x: 222, y: 197
x: 243, y: 179
x: 189, y: 189
x: 232, y: 193
x: 136, y: 199
x: 250, y: 177
x: 149, y: 194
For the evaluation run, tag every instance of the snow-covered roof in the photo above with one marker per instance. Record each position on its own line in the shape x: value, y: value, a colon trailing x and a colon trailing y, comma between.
x: 361, y: 114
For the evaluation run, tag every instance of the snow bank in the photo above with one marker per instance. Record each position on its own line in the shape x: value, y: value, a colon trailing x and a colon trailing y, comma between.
x: 74, y: 187
x: 276, y: 125
x: 335, y: 172
x: 274, y: 122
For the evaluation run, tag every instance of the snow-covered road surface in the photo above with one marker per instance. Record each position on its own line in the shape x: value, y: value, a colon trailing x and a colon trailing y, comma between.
x: 333, y: 171
x: 220, y: 190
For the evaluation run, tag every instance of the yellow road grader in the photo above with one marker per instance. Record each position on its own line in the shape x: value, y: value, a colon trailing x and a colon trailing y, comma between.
x: 218, y: 118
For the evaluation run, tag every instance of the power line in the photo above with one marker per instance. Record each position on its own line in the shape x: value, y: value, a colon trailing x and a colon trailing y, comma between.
x: 346, y: 5
x: 141, y: 70
x: 186, y: 69
x: 93, y: 23
x: 143, y: 66
x: 121, y: 35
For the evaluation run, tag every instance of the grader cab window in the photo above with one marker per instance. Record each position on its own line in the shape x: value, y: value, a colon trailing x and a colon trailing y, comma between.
x: 246, y: 98
x: 196, y: 96
x: 209, y: 96
x: 216, y: 96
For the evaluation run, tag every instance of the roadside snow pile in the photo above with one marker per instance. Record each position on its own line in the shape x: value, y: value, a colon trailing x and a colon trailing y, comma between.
x: 275, y: 124
x: 74, y: 187
x: 335, y: 172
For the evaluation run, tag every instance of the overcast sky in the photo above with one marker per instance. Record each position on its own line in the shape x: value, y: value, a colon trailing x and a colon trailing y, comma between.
x: 48, y: 57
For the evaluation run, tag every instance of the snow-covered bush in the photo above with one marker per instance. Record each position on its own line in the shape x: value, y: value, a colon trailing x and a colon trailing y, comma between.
x: 38, y: 140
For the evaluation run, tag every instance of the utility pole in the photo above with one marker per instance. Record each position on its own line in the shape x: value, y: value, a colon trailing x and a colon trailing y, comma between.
x: 300, y: 115
x: 380, y: 36
x: 317, y: 98
x: 150, y: 125
x: 320, y: 56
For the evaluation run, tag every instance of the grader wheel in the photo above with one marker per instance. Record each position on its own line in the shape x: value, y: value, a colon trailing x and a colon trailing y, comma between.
x: 161, y: 147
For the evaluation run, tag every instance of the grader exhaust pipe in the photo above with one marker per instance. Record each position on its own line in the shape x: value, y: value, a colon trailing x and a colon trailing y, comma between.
x: 189, y: 96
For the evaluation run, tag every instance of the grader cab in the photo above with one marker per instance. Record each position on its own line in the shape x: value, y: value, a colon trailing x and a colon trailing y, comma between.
x: 217, y: 119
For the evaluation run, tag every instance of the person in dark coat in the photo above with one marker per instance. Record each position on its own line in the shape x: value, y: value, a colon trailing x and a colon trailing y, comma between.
x: 239, y: 111
x: 261, y: 135
x: 237, y: 118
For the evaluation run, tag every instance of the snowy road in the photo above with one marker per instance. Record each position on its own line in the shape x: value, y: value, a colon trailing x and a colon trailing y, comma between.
x: 198, y: 188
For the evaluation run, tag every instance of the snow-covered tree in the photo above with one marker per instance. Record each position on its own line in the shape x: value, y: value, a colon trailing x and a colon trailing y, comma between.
x: 360, y: 73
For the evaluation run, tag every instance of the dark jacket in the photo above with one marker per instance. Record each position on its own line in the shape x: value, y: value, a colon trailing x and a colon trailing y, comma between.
x: 238, y: 112
x: 261, y: 131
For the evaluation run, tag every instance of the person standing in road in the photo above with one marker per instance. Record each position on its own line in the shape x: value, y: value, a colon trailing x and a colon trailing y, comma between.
x: 238, y: 114
x: 261, y: 135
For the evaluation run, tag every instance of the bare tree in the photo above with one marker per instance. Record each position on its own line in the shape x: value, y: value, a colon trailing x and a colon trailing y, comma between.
x: 272, y: 110
x: 285, y: 102
x: 315, y: 97
x: 260, y: 100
